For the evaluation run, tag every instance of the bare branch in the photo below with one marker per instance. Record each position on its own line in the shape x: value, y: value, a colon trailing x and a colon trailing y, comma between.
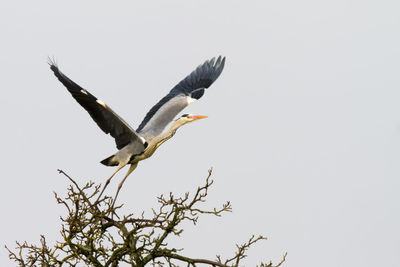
x: 90, y: 237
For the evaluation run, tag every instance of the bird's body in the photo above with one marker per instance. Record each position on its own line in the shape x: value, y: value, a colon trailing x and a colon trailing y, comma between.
x: 134, y: 146
x: 151, y: 144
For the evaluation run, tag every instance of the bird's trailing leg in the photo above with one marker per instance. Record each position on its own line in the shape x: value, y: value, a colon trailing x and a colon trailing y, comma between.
x: 131, y: 169
x: 109, y: 180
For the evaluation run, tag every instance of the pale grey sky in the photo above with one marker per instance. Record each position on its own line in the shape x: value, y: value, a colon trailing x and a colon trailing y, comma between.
x: 303, y: 129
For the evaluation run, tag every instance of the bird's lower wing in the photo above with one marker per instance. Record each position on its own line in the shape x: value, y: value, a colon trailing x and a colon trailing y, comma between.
x: 103, y: 115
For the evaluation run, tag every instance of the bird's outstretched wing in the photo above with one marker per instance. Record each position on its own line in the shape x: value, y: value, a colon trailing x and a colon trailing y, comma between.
x: 103, y: 115
x: 185, y: 92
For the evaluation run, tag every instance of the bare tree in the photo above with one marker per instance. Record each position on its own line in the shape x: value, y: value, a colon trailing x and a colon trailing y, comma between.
x: 94, y: 234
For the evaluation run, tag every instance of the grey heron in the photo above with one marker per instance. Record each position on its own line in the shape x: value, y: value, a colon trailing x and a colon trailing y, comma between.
x: 134, y: 146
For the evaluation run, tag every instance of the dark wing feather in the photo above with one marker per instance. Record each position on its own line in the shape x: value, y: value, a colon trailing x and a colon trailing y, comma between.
x: 192, y: 86
x: 103, y: 115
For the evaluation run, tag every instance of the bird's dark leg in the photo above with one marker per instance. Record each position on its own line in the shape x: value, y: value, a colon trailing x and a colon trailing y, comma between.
x: 131, y: 169
x: 109, y: 180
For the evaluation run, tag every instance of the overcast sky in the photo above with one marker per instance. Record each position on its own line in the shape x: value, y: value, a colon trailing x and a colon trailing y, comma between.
x: 303, y: 129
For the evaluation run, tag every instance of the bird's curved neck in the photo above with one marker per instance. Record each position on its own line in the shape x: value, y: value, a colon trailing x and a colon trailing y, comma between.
x: 160, y: 139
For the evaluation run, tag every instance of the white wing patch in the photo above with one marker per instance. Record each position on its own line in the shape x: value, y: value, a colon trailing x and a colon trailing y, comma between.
x: 190, y: 100
x: 101, y: 103
x: 84, y: 92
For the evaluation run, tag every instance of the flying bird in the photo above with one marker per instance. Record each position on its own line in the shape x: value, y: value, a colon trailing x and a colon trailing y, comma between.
x: 134, y: 146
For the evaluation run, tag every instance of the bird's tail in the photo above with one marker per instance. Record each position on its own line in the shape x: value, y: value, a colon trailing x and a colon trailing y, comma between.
x: 110, y: 161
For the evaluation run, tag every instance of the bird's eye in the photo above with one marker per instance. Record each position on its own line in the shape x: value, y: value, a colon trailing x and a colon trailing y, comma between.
x: 185, y: 115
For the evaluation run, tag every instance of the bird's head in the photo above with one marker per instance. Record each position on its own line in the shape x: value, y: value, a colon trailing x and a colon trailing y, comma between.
x: 186, y: 118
